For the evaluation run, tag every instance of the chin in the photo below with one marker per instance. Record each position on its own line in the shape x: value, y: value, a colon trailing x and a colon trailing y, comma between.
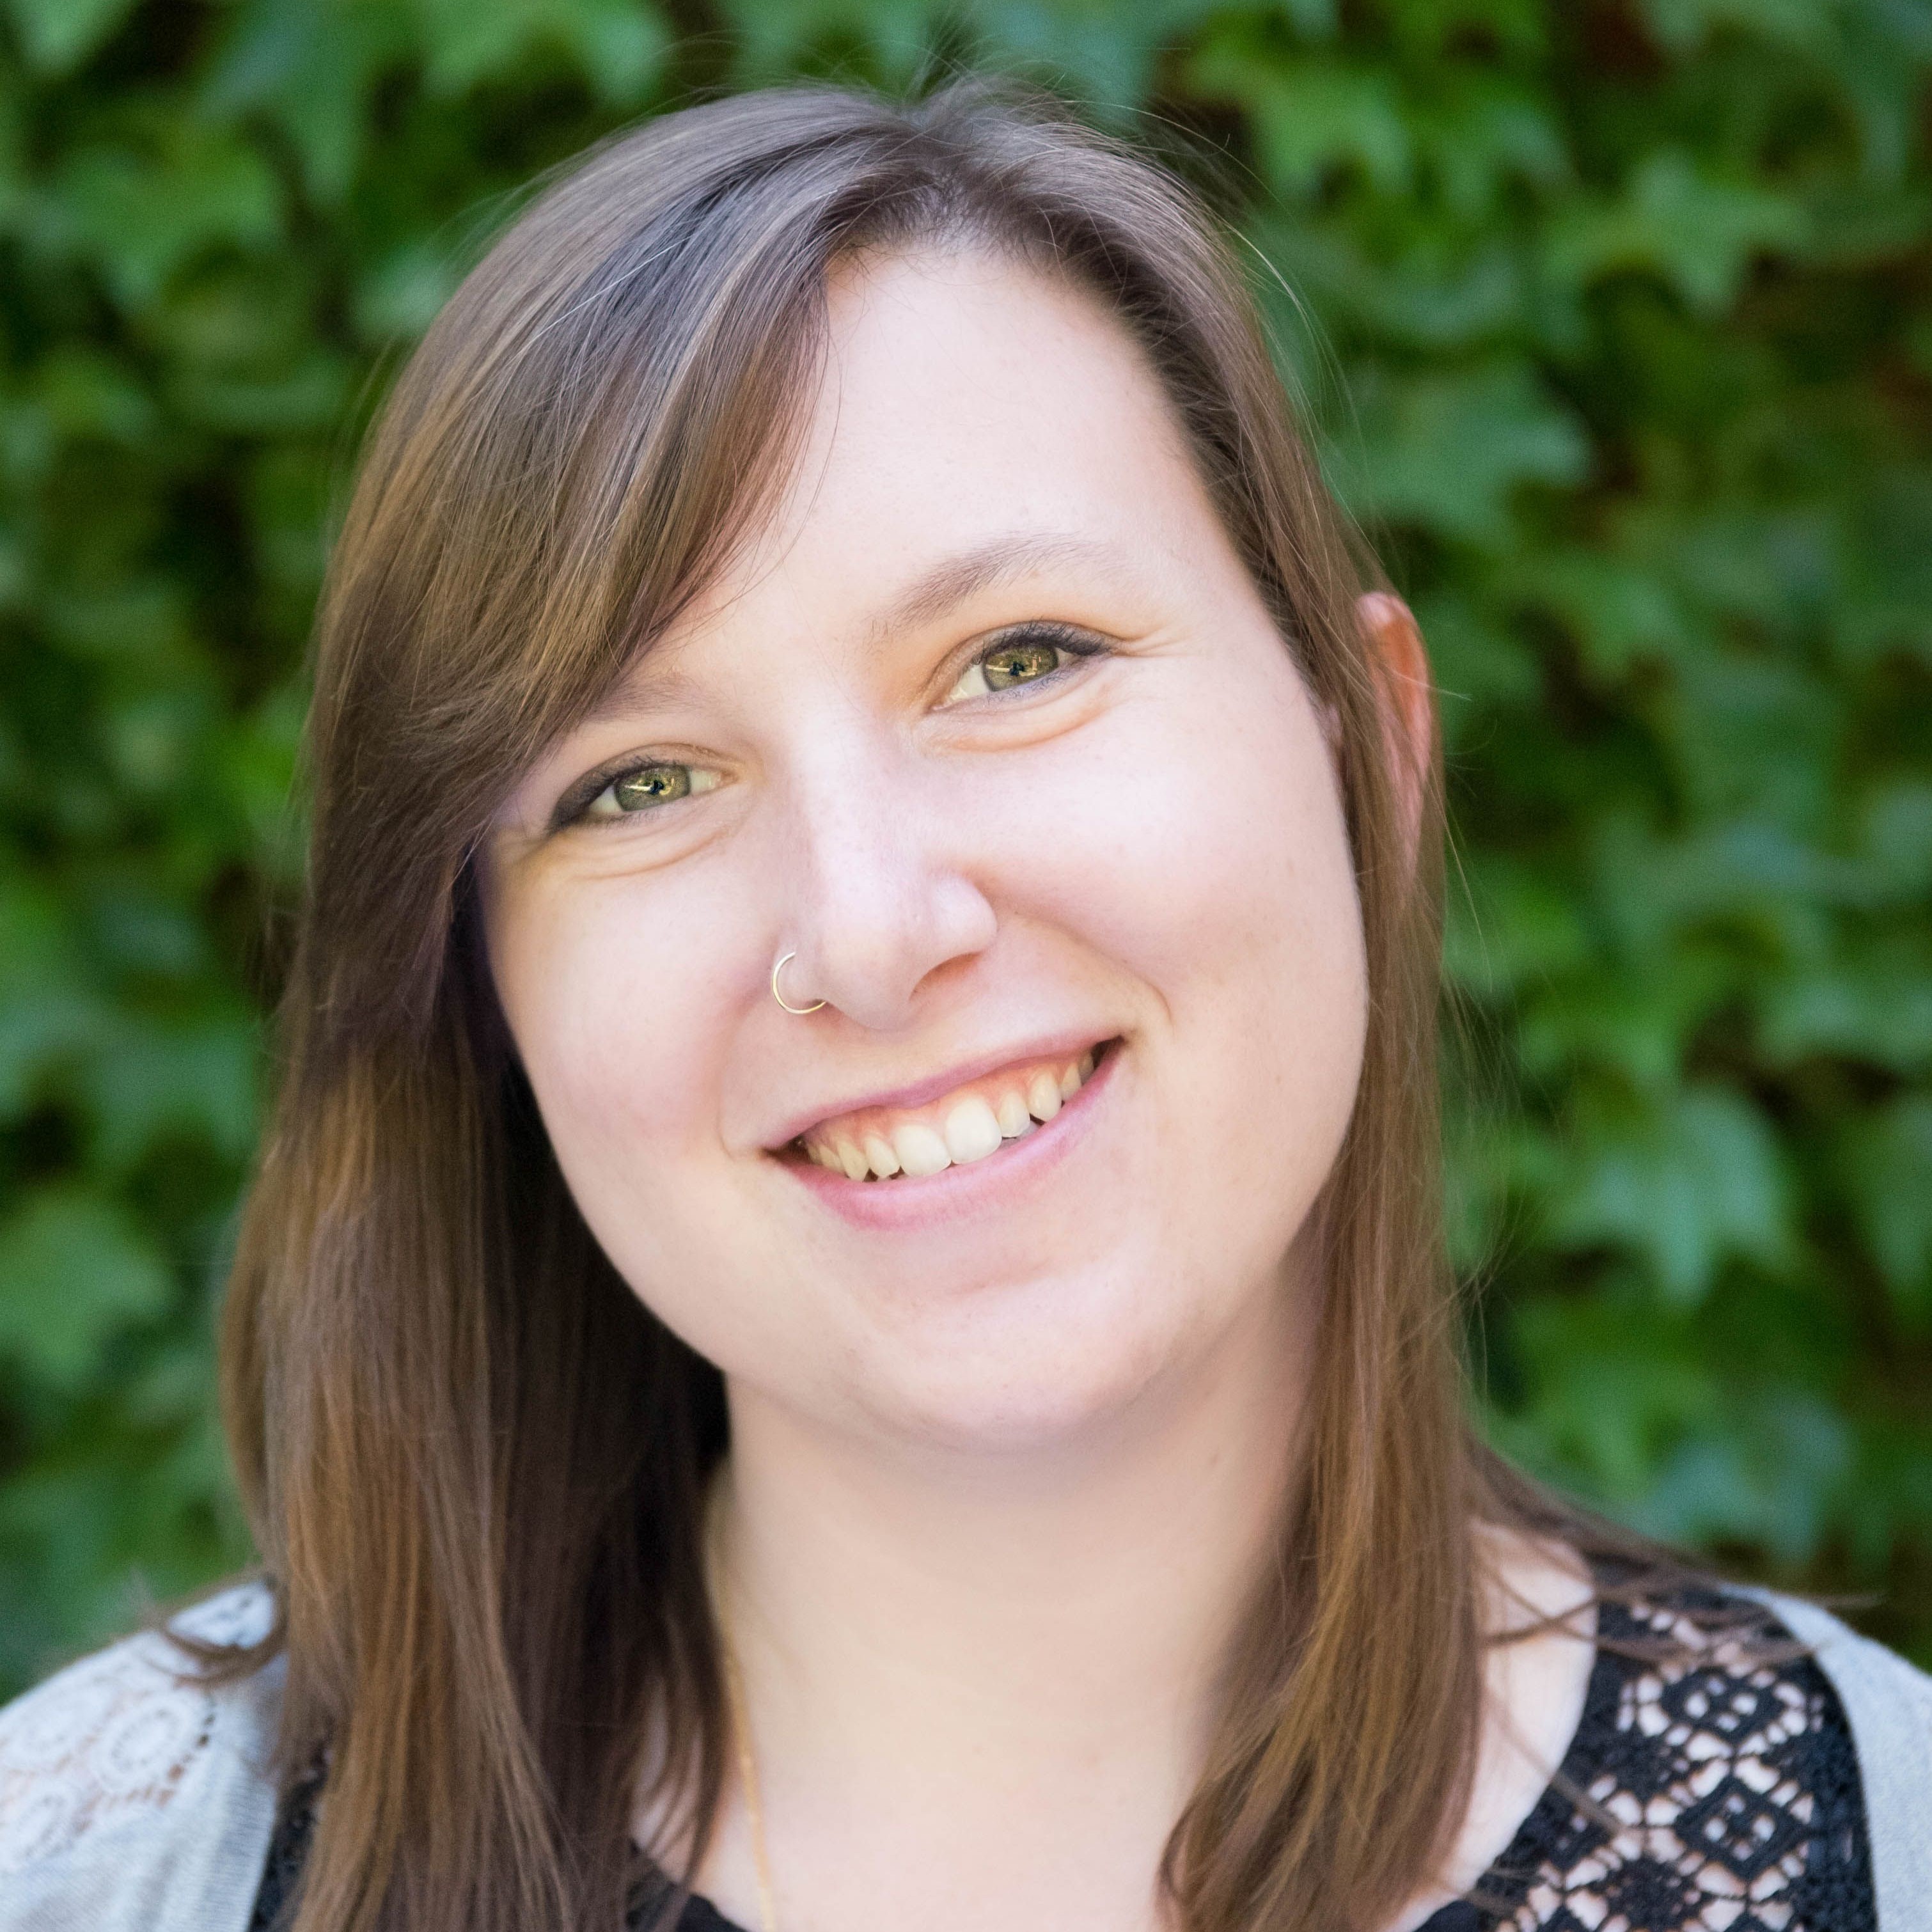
x: 1033, y: 1367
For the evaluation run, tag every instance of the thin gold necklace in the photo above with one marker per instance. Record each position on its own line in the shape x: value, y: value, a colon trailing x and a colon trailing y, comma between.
x: 734, y: 1699
x: 748, y: 1776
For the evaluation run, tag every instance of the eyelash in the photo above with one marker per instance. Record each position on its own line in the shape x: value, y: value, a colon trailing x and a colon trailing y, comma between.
x: 1073, y: 643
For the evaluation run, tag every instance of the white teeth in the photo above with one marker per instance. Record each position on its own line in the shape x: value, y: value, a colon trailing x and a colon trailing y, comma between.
x: 972, y: 1128
x: 920, y: 1151
x: 1043, y: 1096
x: 972, y: 1131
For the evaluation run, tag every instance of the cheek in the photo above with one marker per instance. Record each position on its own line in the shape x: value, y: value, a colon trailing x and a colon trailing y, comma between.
x: 622, y: 999
x: 1200, y: 835
x: 621, y: 1038
x: 1204, y: 841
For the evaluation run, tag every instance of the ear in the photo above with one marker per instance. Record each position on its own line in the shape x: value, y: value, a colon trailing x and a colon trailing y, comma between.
x: 1409, y: 709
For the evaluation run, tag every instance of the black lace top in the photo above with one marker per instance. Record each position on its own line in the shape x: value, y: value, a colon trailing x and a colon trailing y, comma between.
x: 1710, y: 1792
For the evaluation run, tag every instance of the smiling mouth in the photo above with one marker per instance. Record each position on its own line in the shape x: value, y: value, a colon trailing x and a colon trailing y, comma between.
x: 971, y: 1124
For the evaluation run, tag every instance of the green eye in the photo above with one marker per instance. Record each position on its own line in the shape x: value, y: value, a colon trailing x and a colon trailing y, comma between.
x: 1018, y: 664
x: 1017, y: 661
x: 648, y: 786
x: 656, y: 784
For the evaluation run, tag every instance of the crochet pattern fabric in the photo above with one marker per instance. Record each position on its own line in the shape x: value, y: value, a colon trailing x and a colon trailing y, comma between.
x: 1706, y: 1789
x: 114, y: 1736
x: 1711, y: 1793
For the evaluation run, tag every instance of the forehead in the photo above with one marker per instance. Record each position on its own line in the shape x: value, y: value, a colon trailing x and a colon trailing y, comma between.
x: 976, y: 421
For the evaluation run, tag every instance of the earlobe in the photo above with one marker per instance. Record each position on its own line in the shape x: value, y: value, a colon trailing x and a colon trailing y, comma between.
x: 1409, y: 710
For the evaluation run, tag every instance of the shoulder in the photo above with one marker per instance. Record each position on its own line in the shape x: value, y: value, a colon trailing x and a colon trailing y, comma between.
x: 1867, y: 1666
x: 130, y: 1787
x: 1732, y: 1744
x: 1888, y: 1705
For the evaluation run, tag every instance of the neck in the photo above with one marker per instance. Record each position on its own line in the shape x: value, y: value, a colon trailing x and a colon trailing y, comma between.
x: 1004, y: 1642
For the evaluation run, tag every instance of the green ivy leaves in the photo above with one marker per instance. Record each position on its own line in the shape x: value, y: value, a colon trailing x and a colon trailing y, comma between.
x: 1611, y: 322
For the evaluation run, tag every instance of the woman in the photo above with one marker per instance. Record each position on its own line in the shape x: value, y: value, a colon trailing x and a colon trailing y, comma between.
x: 842, y: 1322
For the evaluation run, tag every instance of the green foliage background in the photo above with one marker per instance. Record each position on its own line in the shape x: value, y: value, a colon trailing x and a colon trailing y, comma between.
x: 1614, y: 318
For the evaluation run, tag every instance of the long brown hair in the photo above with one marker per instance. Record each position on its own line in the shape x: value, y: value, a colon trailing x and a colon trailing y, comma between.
x: 473, y: 1460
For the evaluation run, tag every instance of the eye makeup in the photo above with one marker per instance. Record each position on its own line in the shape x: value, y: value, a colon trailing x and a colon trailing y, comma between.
x: 1017, y: 658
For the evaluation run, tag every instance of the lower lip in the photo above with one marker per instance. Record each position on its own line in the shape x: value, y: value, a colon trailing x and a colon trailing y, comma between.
x: 908, y: 1202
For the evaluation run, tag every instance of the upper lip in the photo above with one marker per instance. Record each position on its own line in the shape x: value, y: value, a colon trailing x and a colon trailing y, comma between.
x: 1065, y: 1045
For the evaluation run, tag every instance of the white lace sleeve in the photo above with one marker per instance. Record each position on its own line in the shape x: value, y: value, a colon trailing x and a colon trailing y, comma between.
x: 117, y: 1734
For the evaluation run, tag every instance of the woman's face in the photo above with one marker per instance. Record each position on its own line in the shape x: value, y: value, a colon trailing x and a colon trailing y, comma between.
x: 988, y: 727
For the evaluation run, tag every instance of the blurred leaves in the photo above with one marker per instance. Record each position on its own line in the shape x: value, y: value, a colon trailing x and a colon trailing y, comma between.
x: 1695, y: 230
x: 1612, y: 322
x: 138, y: 209
x: 73, y: 1271
x: 57, y: 34
x: 1448, y: 451
x: 1685, y: 1189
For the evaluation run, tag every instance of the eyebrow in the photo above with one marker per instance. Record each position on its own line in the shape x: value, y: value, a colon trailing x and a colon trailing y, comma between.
x: 949, y: 583
x: 1000, y: 560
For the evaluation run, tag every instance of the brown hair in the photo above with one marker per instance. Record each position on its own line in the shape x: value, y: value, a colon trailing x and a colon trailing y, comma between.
x: 488, y: 1572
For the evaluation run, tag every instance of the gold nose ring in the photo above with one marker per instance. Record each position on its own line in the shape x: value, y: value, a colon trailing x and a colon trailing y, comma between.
x: 780, y: 998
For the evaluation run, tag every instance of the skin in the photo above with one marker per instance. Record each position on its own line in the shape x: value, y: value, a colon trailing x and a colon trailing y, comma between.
x: 1001, y: 1470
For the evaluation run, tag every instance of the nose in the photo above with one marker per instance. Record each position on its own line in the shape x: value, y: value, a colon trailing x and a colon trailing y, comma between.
x: 880, y: 893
